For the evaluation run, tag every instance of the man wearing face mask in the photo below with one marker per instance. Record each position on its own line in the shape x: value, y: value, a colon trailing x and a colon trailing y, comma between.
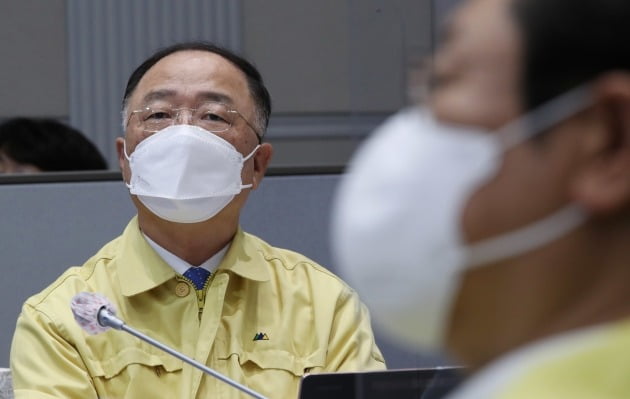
x: 183, y: 271
x: 494, y: 223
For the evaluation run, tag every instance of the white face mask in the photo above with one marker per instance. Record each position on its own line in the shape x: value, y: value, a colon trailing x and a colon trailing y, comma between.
x: 396, y: 225
x: 186, y: 174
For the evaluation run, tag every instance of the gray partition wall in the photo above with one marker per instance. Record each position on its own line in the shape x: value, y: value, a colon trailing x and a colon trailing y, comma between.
x: 48, y: 227
x: 335, y: 68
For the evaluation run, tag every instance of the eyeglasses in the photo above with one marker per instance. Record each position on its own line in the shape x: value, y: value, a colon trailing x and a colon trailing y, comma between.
x: 214, y: 117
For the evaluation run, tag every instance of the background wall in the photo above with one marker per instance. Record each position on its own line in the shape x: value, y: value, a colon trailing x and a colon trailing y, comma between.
x: 335, y: 68
x: 34, y: 66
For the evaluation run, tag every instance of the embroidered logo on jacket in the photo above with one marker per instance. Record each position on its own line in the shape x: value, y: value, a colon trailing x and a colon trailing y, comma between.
x: 261, y: 337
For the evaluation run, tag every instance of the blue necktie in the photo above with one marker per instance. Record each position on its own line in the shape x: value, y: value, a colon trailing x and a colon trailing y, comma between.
x: 198, y: 275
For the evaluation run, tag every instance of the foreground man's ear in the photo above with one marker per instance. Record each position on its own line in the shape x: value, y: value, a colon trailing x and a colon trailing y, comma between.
x: 603, y: 186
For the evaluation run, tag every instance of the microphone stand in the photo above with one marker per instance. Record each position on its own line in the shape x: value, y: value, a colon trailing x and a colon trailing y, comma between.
x: 108, y: 319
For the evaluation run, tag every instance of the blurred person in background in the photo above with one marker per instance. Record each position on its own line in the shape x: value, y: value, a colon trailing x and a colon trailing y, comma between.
x: 494, y: 223
x: 31, y: 145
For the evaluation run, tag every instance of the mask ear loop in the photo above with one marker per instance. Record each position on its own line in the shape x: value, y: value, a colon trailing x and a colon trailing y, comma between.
x: 125, y: 149
x: 251, y: 154
x: 128, y: 159
x: 527, y: 238
x: 545, y: 116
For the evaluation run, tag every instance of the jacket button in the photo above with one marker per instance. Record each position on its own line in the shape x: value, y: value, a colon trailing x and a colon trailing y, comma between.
x: 182, y: 289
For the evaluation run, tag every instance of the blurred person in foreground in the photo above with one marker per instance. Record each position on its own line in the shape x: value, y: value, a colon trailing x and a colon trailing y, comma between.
x: 34, y: 145
x: 183, y: 271
x: 494, y: 223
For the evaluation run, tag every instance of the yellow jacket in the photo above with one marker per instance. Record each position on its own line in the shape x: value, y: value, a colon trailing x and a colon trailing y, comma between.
x: 589, y: 363
x: 270, y: 315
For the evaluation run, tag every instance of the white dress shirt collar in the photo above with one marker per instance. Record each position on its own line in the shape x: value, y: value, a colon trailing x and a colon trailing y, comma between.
x: 180, y: 265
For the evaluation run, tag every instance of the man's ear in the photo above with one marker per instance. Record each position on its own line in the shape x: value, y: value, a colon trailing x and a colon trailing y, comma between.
x: 261, y: 161
x: 603, y: 186
x: 120, y: 150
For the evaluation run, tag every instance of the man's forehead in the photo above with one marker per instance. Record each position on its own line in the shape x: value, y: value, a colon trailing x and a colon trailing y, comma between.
x: 201, y: 74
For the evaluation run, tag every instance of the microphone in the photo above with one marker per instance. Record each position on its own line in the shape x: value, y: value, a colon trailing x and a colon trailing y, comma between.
x: 95, y: 314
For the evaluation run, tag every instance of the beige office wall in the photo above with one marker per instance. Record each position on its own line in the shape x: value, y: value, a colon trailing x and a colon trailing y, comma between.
x: 33, y: 66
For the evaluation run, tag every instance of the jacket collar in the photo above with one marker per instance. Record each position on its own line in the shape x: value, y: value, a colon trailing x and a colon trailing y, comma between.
x: 245, y: 258
x: 140, y: 268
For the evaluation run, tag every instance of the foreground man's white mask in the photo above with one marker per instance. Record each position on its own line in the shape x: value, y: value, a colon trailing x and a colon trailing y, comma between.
x: 396, y: 225
x: 186, y: 174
